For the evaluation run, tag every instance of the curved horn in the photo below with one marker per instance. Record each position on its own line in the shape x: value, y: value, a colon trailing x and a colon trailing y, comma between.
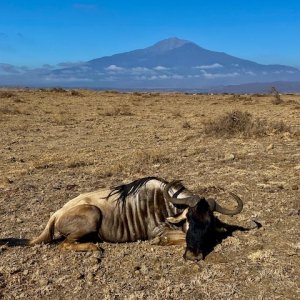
x: 225, y: 211
x: 190, y: 201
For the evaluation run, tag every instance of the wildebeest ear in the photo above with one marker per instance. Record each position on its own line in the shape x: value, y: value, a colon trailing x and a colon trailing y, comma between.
x: 180, y: 217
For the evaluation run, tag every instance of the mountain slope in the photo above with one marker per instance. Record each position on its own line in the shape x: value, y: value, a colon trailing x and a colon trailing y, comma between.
x: 171, y: 63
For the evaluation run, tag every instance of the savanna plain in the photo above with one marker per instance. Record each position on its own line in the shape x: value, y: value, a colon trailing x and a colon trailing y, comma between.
x: 56, y: 144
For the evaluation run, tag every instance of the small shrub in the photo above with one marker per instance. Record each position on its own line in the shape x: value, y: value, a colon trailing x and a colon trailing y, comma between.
x: 186, y: 125
x: 147, y: 157
x: 118, y: 111
x: 75, y: 93
x: 137, y: 94
x: 239, y: 123
x: 10, y: 111
x: 7, y: 94
x: 58, y: 90
x: 111, y: 92
x: 276, y: 96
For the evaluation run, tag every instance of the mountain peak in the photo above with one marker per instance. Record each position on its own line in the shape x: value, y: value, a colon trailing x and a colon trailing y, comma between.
x: 169, y: 44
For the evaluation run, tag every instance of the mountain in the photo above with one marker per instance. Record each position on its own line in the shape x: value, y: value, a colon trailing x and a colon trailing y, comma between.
x: 171, y: 64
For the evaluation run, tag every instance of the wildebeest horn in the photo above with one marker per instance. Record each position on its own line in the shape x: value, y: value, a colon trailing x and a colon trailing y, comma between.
x: 193, y: 200
x: 230, y: 212
x: 190, y: 201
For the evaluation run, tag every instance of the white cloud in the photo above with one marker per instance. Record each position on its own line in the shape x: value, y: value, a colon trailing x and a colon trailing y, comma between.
x: 143, y: 77
x: 160, y: 68
x: 220, y: 75
x: 212, y: 66
x: 250, y: 73
x: 140, y: 70
x: 163, y: 76
x: 114, y: 68
x: 67, y: 79
x: 176, y: 76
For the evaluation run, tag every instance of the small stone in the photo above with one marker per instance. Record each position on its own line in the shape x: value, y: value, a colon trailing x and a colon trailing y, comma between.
x: 25, y: 272
x: 97, y: 255
x: 3, y: 248
x: 19, y: 221
x: 90, y: 277
x: 80, y: 276
x: 144, y: 270
x: 43, y: 282
x: 295, y: 187
x: 270, y: 147
x: 229, y: 156
x: 10, y: 180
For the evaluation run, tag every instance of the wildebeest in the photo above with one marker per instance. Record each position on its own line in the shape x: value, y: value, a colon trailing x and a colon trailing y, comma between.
x: 146, y: 209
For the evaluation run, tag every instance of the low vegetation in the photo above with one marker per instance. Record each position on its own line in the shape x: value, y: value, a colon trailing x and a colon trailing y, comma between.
x: 55, y: 146
x: 239, y: 123
x: 276, y: 98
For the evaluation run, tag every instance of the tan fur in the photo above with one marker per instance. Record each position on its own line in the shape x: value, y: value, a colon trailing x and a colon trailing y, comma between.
x: 179, y: 218
x: 170, y: 237
x: 79, y: 247
x: 142, y: 217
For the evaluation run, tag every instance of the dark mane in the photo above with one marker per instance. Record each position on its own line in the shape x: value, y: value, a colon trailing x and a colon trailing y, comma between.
x: 125, y: 190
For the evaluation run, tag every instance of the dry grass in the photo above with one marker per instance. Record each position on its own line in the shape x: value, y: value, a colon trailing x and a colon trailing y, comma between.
x: 71, y: 144
x: 7, y: 94
x: 117, y: 111
x: 238, y: 123
x: 276, y: 97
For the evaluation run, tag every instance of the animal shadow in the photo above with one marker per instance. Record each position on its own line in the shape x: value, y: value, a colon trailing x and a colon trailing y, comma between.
x: 221, y: 235
x: 13, y: 242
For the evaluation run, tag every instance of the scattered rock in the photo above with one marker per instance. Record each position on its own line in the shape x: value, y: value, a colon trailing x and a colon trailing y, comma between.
x: 43, y: 282
x: 97, y: 255
x: 3, y: 248
x: 295, y: 187
x: 144, y: 270
x: 90, y: 277
x: 10, y: 179
x: 19, y: 221
x: 80, y: 276
x: 270, y: 147
x: 229, y: 156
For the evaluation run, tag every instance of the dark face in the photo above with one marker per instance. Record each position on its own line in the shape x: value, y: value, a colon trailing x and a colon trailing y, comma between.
x: 200, y: 232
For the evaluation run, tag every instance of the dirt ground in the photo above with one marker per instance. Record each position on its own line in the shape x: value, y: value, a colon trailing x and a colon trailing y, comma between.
x: 56, y: 144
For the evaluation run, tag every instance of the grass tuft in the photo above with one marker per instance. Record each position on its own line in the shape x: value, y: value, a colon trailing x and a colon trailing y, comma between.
x: 238, y: 123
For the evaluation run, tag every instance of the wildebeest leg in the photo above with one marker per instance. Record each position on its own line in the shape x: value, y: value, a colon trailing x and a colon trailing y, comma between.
x: 170, y: 237
x: 77, y: 224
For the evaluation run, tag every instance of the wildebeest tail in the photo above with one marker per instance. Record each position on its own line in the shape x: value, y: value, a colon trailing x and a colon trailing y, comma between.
x: 47, y: 235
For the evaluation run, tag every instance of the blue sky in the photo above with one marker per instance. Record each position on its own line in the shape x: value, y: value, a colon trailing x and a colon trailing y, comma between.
x: 37, y: 32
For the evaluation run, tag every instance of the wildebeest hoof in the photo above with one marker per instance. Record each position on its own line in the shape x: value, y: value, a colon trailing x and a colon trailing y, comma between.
x: 155, y: 241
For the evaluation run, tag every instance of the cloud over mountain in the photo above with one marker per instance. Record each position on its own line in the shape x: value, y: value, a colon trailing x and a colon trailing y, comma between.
x: 171, y: 63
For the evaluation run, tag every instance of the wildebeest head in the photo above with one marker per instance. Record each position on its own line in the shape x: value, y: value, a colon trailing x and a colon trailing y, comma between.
x: 200, y: 219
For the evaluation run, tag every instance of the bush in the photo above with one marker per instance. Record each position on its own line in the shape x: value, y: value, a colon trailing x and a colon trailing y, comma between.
x: 276, y: 96
x: 238, y: 123
x: 7, y: 94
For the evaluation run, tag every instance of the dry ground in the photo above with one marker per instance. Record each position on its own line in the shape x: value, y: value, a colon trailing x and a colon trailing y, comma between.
x: 56, y: 144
